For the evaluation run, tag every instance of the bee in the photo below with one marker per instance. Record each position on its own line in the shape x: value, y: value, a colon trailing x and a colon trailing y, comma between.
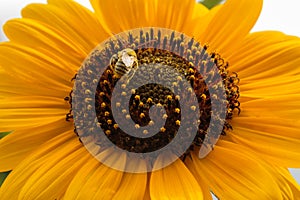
x: 124, y: 62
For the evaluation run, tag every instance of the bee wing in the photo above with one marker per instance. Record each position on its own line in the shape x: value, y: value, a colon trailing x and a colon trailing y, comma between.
x: 127, y: 60
x: 131, y: 73
x: 128, y: 76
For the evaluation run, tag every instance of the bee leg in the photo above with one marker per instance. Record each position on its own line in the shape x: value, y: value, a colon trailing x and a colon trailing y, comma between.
x: 132, y: 72
x: 113, y: 60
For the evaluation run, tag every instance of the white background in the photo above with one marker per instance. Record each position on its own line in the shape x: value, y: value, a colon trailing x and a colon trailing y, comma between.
x: 283, y: 15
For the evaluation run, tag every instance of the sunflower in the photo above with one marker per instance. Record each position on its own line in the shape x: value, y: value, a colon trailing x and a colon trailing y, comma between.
x: 53, y: 42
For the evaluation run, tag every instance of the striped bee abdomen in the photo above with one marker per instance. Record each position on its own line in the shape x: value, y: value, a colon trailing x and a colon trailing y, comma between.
x: 121, y: 68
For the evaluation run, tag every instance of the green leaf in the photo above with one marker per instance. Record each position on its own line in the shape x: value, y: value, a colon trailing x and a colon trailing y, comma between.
x: 210, y: 3
x: 3, y: 176
x: 3, y: 134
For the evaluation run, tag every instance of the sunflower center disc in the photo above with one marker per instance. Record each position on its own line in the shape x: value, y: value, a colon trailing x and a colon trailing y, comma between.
x: 150, y: 93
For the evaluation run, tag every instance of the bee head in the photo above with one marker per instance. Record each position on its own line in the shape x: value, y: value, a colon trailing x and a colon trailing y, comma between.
x: 129, y: 52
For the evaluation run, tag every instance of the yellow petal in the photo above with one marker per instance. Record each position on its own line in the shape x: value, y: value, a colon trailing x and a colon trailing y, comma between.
x: 265, y: 55
x: 146, y: 13
x: 200, y: 10
x: 133, y: 185
x: 233, y: 172
x: 272, y: 126
x: 12, y: 87
x: 147, y: 192
x: 104, y: 10
x: 70, y: 18
x: 31, y: 102
x: 271, y: 87
x: 290, y: 189
x: 294, y: 187
x: 205, y: 188
x: 35, y: 66
x: 19, y: 144
x: 45, y: 38
x: 96, y: 181
x: 174, y: 182
x: 25, y: 111
x: 51, y: 180
x: 61, y: 146
x: 230, y: 25
x: 80, y: 178
x: 203, y: 21
x: 286, y: 183
x: 102, y: 185
x: 29, y: 111
x: 275, y: 139
x: 285, y: 106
